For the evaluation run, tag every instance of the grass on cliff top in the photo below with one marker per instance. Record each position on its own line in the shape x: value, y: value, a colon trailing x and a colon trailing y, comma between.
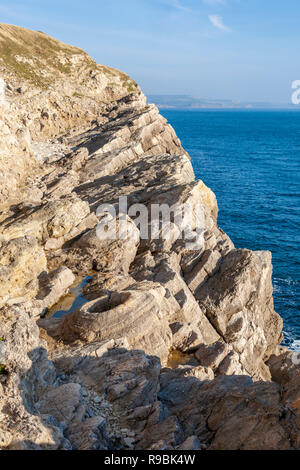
x: 31, y: 45
x: 45, y: 53
x: 125, y: 80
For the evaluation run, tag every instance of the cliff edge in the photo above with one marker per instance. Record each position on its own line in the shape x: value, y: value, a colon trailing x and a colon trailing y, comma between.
x: 135, y: 341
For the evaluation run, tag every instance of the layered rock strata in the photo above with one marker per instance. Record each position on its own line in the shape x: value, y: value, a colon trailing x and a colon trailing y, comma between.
x: 100, y: 377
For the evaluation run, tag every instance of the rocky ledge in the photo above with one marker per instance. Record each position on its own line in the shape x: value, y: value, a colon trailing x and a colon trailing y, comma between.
x: 165, y: 347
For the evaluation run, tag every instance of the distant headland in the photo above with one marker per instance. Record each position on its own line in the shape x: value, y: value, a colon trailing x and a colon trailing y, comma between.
x: 194, y: 102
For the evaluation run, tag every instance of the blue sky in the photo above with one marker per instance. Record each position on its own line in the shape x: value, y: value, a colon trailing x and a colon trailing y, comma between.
x: 244, y: 50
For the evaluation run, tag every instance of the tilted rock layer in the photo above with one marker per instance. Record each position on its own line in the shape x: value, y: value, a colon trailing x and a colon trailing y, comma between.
x: 167, y: 347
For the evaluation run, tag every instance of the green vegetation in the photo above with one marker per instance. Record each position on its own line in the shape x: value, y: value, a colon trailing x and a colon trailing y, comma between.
x: 126, y: 81
x: 38, y: 59
x: 34, y: 46
x: 131, y: 87
x: 78, y: 95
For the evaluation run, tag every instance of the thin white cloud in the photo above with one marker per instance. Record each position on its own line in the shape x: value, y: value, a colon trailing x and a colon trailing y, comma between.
x: 176, y: 5
x: 217, y: 22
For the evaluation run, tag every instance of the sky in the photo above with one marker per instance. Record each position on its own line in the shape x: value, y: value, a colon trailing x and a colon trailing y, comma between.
x: 243, y: 50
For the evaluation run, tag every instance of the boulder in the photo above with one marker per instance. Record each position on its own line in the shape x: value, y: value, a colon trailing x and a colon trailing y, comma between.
x: 54, y: 285
x: 138, y: 314
x: 21, y: 262
x: 238, y: 301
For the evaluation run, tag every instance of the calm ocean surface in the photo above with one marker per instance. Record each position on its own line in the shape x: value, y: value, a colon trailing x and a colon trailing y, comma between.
x: 250, y: 159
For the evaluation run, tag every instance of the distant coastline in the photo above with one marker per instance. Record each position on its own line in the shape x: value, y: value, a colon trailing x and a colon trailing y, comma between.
x: 187, y: 102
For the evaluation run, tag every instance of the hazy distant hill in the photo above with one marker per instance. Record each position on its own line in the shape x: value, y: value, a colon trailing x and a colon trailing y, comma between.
x: 193, y: 102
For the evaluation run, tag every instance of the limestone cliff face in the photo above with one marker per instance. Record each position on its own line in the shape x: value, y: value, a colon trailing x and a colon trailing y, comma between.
x: 76, y: 135
x: 50, y: 89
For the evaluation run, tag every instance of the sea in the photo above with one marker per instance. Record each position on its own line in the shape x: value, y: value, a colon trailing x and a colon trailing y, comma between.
x: 251, y: 159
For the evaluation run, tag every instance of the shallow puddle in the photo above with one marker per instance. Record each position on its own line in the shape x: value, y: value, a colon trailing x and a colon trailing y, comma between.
x: 70, y: 302
x: 177, y: 358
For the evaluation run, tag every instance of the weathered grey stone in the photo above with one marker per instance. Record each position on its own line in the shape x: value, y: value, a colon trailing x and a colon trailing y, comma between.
x: 227, y: 413
x: 86, y: 139
x: 61, y: 402
x: 168, y: 431
x: 88, y: 435
x: 284, y: 365
x: 21, y: 262
x: 188, y: 324
x: 109, y: 255
x: 212, y: 356
x: 28, y: 374
x: 54, y: 220
x: 2, y: 351
x: 54, y: 285
x: 238, y: 301
x: 138, y: 314
x: 191, y: 443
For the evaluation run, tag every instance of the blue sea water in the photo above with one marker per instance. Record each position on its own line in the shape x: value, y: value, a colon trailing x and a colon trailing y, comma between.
x: 250, y: 159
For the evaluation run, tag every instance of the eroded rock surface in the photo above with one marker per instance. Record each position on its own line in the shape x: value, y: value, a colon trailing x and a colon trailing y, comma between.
x: 80, y: 137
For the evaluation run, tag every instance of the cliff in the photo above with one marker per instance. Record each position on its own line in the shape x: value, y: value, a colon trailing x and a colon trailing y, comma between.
x: 167, y: 346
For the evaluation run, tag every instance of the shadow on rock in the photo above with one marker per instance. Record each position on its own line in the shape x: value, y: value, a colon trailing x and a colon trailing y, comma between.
x: 104, y: 396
